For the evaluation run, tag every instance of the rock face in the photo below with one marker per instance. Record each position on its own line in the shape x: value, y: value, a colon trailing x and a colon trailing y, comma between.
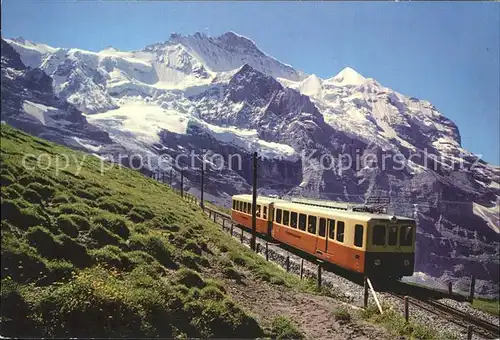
x: 29, y: 103
x: 345, y: 138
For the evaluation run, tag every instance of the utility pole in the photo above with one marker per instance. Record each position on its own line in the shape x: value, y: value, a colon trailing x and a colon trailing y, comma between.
x: 170, y: 179
x: 202, y: 182
x: 254, y: 201
x: 182, y: 183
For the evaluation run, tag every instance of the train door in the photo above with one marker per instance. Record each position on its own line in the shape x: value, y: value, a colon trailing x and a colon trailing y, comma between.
x: 270, y: 219
x: 322, y: 239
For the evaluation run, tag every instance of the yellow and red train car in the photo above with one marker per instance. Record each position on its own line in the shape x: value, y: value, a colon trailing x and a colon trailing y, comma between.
x: 376, y: 245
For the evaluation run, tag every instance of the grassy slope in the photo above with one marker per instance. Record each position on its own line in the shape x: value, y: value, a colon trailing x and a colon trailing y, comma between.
x: 488, y: 306
x: 116, y: 255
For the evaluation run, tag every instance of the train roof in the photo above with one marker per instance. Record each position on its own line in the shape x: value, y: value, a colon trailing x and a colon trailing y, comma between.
x: 363, y: 216
x: 262, y: 199
x: 322, y: 210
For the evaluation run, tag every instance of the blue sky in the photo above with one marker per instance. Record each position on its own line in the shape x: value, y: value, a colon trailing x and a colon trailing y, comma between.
x: 447, y: 53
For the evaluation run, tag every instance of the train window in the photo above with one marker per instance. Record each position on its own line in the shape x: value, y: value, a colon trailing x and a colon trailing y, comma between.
x: 379, y: 235
x: 234, y: 205
x: 311, y: 224
x: 302, y: 221
x: 358, y: 235
x: 278, y: 215
x: 331, y: 229
x: 322, y: 227
x: 340, y: 231
x: 406, y: 235
x: 245, y: 207
x: 265, y: 212
x: 392, y: 239
x: 286, y: 217
x: 238, y: 205
x: 293, y: 220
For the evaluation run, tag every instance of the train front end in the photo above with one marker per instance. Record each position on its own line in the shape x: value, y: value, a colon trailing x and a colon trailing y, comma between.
x: 390, y: 251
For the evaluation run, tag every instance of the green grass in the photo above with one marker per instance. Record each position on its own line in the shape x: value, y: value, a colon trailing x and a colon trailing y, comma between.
x: 396, y: 324
x: 283, y: 328
x: 488, y: 306
x: 217, y: 207
x: 342, y: 315
x: 87, y: 255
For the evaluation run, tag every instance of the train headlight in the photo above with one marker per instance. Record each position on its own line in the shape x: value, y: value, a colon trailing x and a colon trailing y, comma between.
x: 407, y: 263
x: 377, y: 262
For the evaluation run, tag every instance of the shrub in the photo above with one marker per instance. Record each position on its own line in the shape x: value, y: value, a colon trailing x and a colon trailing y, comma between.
x: 276, y: 280
x: 211, y: 293
x: 342, y: 315
x: 73, y: 251
x: 103, y: 236
x: 81, y: 209
x: 192, y: 260
x: 14, y: 314
x: 178, y: 240
x: 231, y: 273
x: 135, y: 217
x: 6, y: 179
x: 223, y: 319
x: 114, y: 223
x: 20, y: 262
x: 192, y: 247
x: 45, y: 191
x: 10, y: 193
x: 67, y: 225
x: 11, y: 211
x: 262, y: 274
x: 32, y: 216
x: 44, y: 241
x: 397, y: 324
x: 71, y: 224
x: 140, y: 257
x: 141, y: 228
x: 17, y: 187
x: 283, y: 328
x: 63, y: 198
x: 241, y: 260
x: 112, y: 256
x: 112, y: 205
x: 140, y: 214
x: 223, y: 248
x: 189, y: 278
x: 32, y: 196
x: 83, y: 193
x: 35, y: 178
x: 224, y: 262
x: 163, y: 222
x: 59, y: 271
x: 94, y: 305
x: 155, y: 247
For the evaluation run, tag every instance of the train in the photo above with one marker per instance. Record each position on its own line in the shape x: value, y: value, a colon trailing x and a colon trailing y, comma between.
x: 352, y: 237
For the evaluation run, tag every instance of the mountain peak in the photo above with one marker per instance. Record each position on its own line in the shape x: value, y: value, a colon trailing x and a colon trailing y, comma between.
x: 233, y: 39
x: 348, y: 76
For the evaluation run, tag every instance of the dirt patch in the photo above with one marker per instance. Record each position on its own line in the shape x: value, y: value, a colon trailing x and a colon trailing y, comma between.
x: 314, y: 315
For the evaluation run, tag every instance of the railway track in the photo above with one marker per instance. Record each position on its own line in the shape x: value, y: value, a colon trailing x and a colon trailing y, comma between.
x: 481, y: 327
x: 419, y: 298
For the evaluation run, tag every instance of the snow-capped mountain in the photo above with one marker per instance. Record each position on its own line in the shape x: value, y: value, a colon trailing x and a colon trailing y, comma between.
x: 28, y: 102
x: 225, y: 95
